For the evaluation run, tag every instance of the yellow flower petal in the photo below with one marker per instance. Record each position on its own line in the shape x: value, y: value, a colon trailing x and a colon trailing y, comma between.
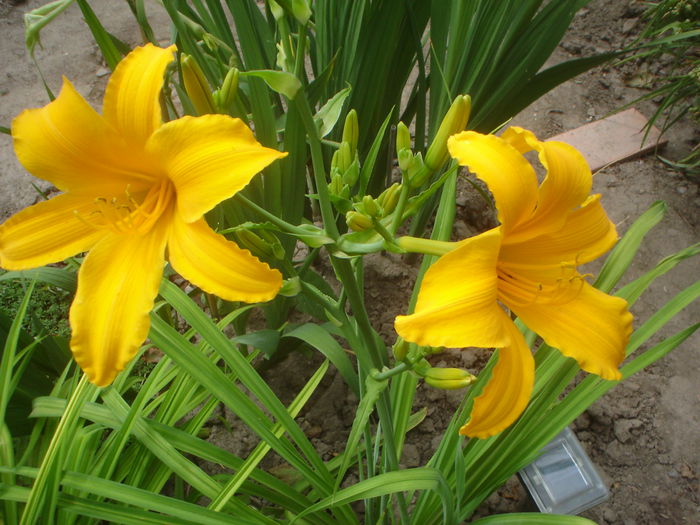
x: 209, y: 159
x: 566, y: 186
x: 47, y: 232
x: 508, y: 391
x: 456, y: 304
x: 592, y: 328
x: 117, y: 285
x: 587, y: 234
x: 219, y: 266
x: 131, y: 102
x: 68, y: 144
x: 506, y: 172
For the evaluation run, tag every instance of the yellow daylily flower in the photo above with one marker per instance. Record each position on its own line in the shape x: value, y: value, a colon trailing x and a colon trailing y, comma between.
x: 527, y: 264
x: 132, y: 187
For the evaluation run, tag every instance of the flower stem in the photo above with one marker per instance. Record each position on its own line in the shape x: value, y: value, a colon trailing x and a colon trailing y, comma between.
x: 426, y: 246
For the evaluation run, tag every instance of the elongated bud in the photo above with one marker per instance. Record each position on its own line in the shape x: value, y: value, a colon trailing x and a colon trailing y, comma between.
x: 448, y: 373
x: 403, y: 138
x: 228, y: 92
x: 455, y: 121
x: 196, y: 85
x: 336, y: 185
x: 351, y: 131
x: 400, y: 349
x: 276, y: 10
x: 370, y: 206
x: 358, y: 221
x: 301, y: 11
x: 417, y: 171
x: 251, y: 241
x: 290, y: 287
x: 389, y: 197
x: 448, y: 384
x: 405, y: 158
x: 352, y: 173
x: 448, y: 378
x: 345, y: 156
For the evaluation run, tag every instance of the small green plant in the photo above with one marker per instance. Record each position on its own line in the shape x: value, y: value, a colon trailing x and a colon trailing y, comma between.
x: 672, y: 33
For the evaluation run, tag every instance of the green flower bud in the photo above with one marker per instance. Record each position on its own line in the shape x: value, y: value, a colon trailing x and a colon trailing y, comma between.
x: 405, y: 157
x: 351, y: 130
x: 352, y: 173
x: 455, y: 121
x: 345, y: 156
x: 290, y: 287
x: 448, y: 378
x: 400, y: 349
x: 448, y: 384
x: 276, y: 10
x: 370, y: 206
x: 252, y: 242
x: 389, y: 197
x: 336, y: 185
x: 228, y: 92
x: 403, y: 138
x: 358, y: 221
x: 196, y: 85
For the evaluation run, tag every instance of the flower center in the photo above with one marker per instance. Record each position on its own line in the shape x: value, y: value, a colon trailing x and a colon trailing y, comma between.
x: 128, y: 213
x: 517, y: 290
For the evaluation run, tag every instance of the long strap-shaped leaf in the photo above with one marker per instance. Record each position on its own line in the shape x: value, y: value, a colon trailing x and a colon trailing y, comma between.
x: 423, y: 478
x: 247, y: 374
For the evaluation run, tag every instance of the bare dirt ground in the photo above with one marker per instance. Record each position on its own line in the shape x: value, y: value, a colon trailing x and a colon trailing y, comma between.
x: 644, y: 436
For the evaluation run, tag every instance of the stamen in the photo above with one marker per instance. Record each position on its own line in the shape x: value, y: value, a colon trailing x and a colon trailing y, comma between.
x: 517, y: 290
x: 124, y: 214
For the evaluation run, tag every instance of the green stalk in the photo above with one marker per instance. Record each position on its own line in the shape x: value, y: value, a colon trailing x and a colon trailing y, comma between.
x: 378, y: 359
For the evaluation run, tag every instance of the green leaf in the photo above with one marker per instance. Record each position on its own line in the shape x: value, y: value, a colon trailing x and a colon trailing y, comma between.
x: 633, y: 290
x: 316, y: 336
x: 423, y: 478
x: 279, y: 81
x: 621, y: 256
x: 330, y: 112
x: 265, y: 340
x: 59, y: 277
x: 108, y: 44
x: 373, y: 389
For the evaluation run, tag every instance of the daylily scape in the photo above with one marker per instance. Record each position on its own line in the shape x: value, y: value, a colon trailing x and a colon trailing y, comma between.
x: 133, y: 187
x: 527, y: 264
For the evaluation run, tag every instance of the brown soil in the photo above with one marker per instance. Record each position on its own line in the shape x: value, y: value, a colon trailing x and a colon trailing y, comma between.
x: 644, y: 435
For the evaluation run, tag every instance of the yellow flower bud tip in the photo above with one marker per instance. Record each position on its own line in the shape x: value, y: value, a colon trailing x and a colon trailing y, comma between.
x: 455, y: 121
x: 403, y: 138
x: 196, y: 85
x: 351, y: 130
x: 358, y: 221
x: 439, y: 373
